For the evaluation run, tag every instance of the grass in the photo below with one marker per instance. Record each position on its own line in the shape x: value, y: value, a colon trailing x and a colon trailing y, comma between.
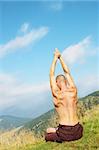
x: 27, y: 140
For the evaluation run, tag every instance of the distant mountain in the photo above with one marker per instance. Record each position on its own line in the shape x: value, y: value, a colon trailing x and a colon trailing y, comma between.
x: 39, y: 124
x: 96, y: 93
x: 9, y: 122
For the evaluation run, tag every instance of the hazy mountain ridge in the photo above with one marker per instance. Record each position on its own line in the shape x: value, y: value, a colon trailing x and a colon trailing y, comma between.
x: 9, y: 122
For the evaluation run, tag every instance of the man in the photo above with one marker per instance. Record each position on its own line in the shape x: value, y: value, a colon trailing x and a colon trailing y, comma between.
x: 65, y: 100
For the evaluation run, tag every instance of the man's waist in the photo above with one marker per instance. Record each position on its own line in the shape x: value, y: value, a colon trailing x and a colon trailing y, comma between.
x: 68, y: 121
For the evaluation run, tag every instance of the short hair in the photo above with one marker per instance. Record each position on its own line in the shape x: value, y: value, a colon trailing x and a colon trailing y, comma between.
x: 60, y: 75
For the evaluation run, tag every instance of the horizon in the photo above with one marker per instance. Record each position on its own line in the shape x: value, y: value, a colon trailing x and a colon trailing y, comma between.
x: 29, y: 33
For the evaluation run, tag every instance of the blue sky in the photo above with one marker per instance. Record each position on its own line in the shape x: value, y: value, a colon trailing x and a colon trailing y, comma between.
x: 29, y: 33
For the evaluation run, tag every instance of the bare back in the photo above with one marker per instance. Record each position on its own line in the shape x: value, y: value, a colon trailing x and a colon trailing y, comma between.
x: 66, y: 106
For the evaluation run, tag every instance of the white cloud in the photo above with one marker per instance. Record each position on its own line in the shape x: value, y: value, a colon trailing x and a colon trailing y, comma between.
x: 24, y: 27
x: 56, y: 5
x: 22, y: 41
x: 78, y: 52
x: 87, y: 84
x: 12, y: 90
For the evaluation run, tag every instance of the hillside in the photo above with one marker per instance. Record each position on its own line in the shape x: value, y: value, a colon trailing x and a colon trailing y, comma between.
x: 10, y: 122
x: 39, y: 124
x: 31, y: 136
x: 89, y: 141
x: 90, y: 100
x: 27, y: 140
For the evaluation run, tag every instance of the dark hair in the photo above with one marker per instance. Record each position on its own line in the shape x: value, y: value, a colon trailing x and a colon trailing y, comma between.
x: 60, y: 75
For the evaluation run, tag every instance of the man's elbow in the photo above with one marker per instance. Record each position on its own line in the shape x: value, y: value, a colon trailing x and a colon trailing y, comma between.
x: 73, y: 87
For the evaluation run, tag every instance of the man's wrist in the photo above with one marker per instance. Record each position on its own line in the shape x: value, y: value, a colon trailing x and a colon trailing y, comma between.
x: 59, y: 57
x: 55, y: 57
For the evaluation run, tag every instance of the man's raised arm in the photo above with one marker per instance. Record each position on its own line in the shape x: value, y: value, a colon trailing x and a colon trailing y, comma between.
x: 67, y: 72
x: 52, y: 77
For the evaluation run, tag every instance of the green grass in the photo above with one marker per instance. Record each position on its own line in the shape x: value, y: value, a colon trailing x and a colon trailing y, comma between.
x: 89, y: 141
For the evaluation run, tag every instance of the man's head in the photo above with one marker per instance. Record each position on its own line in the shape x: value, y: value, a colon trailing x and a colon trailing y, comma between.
x: 61, y: 81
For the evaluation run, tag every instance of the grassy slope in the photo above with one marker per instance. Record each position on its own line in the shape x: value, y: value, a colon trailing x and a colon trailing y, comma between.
x: 89, y: 141
x: 27, y: 141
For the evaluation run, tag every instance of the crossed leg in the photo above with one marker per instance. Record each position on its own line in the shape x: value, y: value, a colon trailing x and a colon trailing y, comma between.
x: 51, y: 135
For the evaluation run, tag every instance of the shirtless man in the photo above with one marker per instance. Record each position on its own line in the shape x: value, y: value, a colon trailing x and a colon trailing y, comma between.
x: 65, y: 100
